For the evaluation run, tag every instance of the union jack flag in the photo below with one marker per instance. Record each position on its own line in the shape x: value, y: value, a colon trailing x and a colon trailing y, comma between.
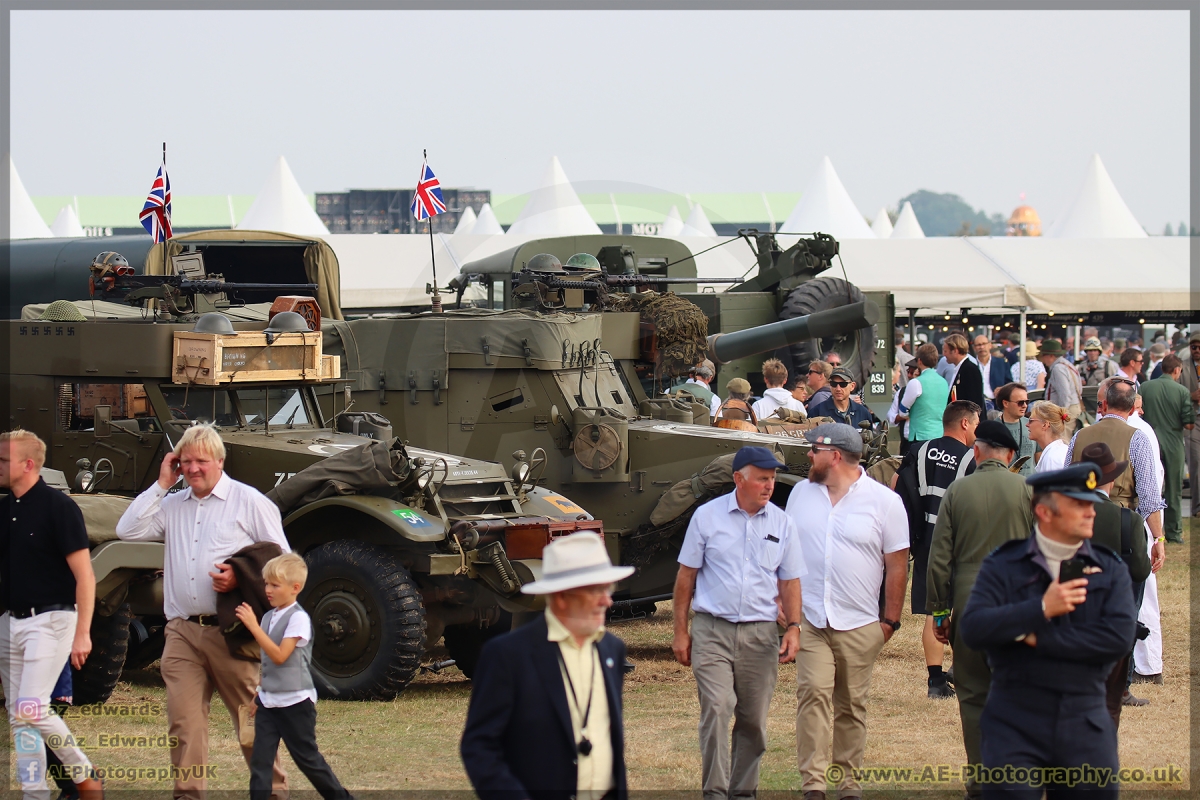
x: 156, y: 214
x: 427, y: 199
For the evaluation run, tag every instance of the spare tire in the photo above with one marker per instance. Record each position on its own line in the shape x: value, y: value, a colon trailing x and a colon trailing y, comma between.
x: 857, y: 349
x: 110, y: 642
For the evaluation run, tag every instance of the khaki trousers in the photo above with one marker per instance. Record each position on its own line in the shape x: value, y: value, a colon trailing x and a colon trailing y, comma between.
x: 833, y: 677
x: 735, y: 665
x: 195, y: 661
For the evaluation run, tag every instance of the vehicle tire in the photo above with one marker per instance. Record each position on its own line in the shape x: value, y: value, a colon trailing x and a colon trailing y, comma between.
x: 856, y: 349
x: 110, y: 643
x: 368, y: 621
x: 465, y: 642
x: 147, y: 635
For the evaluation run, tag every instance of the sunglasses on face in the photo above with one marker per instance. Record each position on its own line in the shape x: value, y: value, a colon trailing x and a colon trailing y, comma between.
x: 1195, y: 345
x: 839, y: 384
x: 1018, y: 402
x: 815, y: 372
x: 816, y: 449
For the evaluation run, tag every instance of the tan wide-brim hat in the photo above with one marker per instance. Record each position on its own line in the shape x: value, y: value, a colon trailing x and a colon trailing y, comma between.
x: 575, y: 561
x: 1031, y: 348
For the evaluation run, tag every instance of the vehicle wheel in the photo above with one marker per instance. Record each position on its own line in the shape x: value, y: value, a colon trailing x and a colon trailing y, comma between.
x: 368, y: 621
x: 110, y: 643
x: 856, y: 349
x: 465, y: 642
x: 147, y: 635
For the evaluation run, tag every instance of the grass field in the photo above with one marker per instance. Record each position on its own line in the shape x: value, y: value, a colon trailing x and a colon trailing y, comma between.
x: 412, y: 742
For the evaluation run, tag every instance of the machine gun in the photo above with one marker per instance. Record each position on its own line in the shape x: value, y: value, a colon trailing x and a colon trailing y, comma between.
x: 180, y: 295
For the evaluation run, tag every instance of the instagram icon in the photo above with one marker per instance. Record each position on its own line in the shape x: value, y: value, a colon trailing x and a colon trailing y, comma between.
x: 28, y: 709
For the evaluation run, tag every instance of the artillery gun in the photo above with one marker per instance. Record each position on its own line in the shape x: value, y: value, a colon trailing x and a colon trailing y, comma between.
x: 581, y: 383
x: 439, y: 545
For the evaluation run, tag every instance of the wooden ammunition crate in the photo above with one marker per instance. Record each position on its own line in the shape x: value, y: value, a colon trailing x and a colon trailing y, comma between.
x: 209, y: 359
x: 527, y: 540
x: 331, y: 367
x: 128, y: 400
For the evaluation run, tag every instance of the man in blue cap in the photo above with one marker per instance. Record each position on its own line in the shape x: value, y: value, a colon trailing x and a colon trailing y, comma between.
x: 1054, y: 613
x: 740, y: 562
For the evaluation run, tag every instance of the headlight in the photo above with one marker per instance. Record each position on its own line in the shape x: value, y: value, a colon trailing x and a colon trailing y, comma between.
x: 520, y: 472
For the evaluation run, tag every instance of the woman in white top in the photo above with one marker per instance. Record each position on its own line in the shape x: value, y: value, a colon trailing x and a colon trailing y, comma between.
x: 1035, y: 371
x: 1048, y: 427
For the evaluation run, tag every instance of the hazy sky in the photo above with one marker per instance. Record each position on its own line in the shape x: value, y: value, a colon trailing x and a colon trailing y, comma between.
x: 983, y: 104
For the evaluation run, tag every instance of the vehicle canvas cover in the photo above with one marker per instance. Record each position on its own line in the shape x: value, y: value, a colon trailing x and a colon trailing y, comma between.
x: 320, y: 262
x: 375, y: 467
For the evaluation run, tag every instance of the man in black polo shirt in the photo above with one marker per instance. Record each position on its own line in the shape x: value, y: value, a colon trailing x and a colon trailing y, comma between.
x: 49, y: 590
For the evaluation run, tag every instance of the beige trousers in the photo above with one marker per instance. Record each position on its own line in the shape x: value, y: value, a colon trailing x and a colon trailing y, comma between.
x: 735, y: 665
x: 195, y: 661
x: 833, y: 677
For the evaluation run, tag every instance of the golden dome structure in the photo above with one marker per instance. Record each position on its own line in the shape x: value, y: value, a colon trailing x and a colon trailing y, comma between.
x: 1024, y: 221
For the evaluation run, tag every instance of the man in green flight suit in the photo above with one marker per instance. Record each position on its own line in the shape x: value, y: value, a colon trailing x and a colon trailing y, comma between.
x: 1168, y: 408
x: 978, y: 514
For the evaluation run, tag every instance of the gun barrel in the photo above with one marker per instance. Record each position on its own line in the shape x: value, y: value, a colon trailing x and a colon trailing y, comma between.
x: 212, y: 287
x: 726, y: 347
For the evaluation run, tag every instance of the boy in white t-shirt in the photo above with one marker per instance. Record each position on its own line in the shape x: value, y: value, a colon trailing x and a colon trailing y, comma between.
x: 286, y: 704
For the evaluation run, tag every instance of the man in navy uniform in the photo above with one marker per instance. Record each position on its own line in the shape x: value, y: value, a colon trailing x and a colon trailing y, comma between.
x: 1054, y: 614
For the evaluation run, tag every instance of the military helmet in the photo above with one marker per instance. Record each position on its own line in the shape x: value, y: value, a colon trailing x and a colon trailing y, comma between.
x: 583, y: 261
x: 110, y: 261
x: 287, y: 322
x: 544, y: 262
x: 62, y: 311
x: 213, y: 322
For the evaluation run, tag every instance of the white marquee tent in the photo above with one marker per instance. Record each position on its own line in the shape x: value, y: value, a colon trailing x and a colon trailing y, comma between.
x: 672, y: 225
x: 825, y: 206
x: 907, y: 226
x: 66, y: 224
x: 282, y: 206
x: 554, y: 209
x: 1098, y: 211
x: 466, y: 221
x: 24, y: 221
x: 882, y: 225
x: 697, y: 223
x: 486, y: 224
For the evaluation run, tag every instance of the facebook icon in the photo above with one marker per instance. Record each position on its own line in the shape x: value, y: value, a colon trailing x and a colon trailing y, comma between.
x: 29, y: 770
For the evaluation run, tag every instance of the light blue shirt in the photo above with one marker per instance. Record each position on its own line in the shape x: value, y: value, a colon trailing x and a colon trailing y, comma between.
x: 741, y: 559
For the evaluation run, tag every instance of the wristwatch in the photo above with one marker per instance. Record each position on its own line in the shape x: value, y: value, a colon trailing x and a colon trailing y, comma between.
x: 894, y: 623
x: 795, y: 625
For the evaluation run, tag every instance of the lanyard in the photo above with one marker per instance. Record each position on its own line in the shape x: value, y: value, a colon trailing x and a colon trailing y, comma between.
x: 585, y: 744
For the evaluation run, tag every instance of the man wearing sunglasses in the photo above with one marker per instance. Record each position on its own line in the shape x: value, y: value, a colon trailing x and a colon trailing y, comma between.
x: 1013, y: 401
x: 840, y: 406
x: 1131, y: 365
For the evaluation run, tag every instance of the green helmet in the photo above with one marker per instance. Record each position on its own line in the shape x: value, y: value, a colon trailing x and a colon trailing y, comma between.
x: 287, y: 322
x: 584, y: 261
x: 544, y: 262
x: 109, y: 261
x: 213, y: 322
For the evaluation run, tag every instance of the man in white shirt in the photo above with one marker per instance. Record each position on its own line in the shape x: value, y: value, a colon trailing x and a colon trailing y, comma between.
x: 739, y: 564
x: 853, y: 533
x: 700, y: 386
x: 202, y: 526
x: 775, y: 375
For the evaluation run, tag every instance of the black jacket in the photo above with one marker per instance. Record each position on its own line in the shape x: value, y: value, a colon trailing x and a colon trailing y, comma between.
x: 1075, y: 652
x: 247, y: 566
x: 968, y: 383
x: 518, y: 742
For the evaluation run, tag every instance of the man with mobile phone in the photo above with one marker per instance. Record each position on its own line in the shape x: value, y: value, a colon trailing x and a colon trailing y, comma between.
x: 1054, y: 613
x: 202, y: 525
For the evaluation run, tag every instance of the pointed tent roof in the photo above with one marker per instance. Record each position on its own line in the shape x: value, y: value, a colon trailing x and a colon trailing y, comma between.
x: 697, y: 223
x: 907, y: 226
x: 673, y: 224
x: 466, y: 221
x: 24, y: 221
x: 281, y: 206
x: 554, y: 209
x: 66, y: 224
x: 1098, y: 211
x: 486, y: 223
x: 882, y: 226
x: 826, y: 206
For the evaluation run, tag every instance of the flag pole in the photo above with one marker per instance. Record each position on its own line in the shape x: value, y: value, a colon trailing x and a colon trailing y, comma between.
x: 436, y: 301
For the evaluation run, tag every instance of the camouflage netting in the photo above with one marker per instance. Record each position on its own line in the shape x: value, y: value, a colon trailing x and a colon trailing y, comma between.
x: 62, y: 311
x: 681, y: 327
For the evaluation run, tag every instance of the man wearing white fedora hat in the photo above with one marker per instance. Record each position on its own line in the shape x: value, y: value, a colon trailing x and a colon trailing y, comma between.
x: 545, y: 713
x: 740, y: 564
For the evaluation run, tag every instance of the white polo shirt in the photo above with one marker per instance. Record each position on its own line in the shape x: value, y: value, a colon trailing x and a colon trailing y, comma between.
x: 843, y: 549
x: 740, y: 558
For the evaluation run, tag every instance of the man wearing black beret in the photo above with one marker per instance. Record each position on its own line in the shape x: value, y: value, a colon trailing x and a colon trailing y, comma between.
x: 1054, y: 614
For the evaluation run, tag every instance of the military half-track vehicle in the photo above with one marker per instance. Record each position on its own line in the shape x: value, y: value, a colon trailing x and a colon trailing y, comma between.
x: 441, y: 549
x: 562, y: 374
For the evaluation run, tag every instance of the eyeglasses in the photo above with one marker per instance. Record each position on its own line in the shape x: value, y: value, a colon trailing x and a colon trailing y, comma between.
x: 1194, y: 345
x: 839, y: 384
x: 1018, y: 402
x: 815, y: 372
x: 816, y: 449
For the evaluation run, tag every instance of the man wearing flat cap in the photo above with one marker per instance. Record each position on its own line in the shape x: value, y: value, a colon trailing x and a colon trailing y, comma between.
x: 739, y: 564
x: 853, y: 532
x: 978, y: 513
x: 1054, y: 613
x: 545, y: 713
x: 840, y: 406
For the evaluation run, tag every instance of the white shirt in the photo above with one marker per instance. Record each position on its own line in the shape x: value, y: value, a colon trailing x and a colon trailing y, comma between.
x: 200, y: 533
x: 843, y: 548
x: 299, y: 627
x: 1160, y: 474
x: 741, y: 559
x: 777, y: 397
x: 986, y: 369
x: 1054, y: 456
